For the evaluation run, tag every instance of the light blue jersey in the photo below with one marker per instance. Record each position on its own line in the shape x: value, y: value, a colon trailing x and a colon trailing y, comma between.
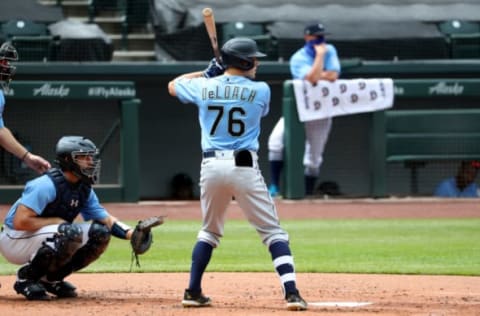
x: 40, y: 191
x: 448, y: 188
x: 2, y: 107
x: 229, y: 109
x: 301, y: 62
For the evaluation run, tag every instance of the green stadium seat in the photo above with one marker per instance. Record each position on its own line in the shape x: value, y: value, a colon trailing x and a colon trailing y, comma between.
x: 20, y: 27
x: 458, y: 27
x: 96, y: 6
x: 463, y: 38
x: 237, y: 29
x: 34, y: 48
x: 266, y: 43
x: 31, y: 39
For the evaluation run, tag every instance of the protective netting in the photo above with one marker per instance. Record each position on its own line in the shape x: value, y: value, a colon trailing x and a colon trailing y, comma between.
x: 38, y: 125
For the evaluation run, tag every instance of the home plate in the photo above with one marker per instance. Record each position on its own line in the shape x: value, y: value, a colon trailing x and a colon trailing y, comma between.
x: 339, y: 304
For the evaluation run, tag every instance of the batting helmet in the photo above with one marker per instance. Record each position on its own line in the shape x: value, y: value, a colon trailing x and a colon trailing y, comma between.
x: 240, y: 53
x: 8, y: 53
x: 80, y: 156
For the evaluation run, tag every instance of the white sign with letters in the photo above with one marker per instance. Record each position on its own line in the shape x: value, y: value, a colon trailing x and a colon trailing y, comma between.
x: 342, y: 97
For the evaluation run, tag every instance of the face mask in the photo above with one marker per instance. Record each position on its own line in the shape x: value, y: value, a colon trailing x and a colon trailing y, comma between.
x: 309, y: 46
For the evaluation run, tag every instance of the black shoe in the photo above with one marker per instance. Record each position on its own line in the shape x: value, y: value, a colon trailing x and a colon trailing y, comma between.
x: 61, y: 289
x: 295, y: 302
x: 191, y: 299
x: 32, y: 290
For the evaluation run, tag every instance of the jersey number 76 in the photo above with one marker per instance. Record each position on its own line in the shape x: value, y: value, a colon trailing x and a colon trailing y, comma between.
x: 236, y: 126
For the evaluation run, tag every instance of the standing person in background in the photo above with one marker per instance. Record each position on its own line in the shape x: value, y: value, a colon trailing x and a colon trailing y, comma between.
x: 315, y: 61
x: 230, y: 107
x: 8, y: 54
x: 463, y: 184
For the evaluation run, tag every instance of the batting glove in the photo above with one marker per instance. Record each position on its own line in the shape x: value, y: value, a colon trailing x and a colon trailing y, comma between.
x: 214, y: 69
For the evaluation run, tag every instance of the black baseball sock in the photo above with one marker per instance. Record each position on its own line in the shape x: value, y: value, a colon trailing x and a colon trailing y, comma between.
x: 276, y: 167
x: 201, y: 254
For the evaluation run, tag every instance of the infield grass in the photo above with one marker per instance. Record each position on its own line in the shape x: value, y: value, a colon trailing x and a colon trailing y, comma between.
x: 420, y: 246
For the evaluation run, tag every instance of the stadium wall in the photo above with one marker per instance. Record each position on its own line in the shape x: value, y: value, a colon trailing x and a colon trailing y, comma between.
x: 170, y: 137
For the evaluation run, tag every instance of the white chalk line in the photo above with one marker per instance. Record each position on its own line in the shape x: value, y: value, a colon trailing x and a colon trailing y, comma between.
x: 339, y: 304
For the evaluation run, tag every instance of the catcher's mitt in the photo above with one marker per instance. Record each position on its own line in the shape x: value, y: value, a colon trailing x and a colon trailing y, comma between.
x: 142, y: 236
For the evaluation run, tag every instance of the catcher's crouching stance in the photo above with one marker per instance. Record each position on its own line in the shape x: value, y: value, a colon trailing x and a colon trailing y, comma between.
x: 39, y: 231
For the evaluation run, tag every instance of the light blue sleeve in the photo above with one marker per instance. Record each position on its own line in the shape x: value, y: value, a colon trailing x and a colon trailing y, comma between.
x: 266, y: 97
x: 93, y: 209
x: 446, y: 188
x: 300, y: 64
x: 332, y: 62
x: 470, y: 191
x: 2, y: 107
x: 38, y: 193
x: 188, y: 90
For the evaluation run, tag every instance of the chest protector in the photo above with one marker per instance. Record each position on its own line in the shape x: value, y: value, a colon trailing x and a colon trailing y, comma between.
x: 70, y: 197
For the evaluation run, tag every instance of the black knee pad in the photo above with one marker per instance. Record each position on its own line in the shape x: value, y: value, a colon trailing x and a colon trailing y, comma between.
x: 67, y: 241
x: 72, y: 232
x: 98, y: 239
x: 99, y: 233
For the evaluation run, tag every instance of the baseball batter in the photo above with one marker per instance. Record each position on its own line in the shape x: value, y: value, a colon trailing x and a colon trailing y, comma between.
x: 316, y: 60
x: 8, y: 54
x: 39, y: 233
x: 230, y: 107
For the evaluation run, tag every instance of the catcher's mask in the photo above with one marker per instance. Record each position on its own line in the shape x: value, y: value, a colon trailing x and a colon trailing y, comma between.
x: 80, y: 156
x: 240, y: 52
x: 8, y: 54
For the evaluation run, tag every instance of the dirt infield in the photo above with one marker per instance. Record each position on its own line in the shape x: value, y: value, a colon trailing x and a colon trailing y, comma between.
x: 242, y: 294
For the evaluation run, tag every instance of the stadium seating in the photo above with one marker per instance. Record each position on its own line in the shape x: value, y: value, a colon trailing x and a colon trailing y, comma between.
x: 20, y: 27
x: 34, y: 48
x: 416, y: 137
x: 256, y: 31
x: 463, y: 38
x: 31, y: 39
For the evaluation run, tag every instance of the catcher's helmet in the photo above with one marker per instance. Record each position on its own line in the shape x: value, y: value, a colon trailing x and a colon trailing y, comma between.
x: 240, y: 53
x: 70, y: 150
x: 8, y: 53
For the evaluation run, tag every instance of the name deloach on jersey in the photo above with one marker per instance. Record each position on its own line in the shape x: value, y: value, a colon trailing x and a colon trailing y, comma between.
x: 229, y: 92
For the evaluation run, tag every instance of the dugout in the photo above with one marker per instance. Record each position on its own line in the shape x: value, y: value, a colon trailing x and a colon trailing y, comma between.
x: 438, y: 126
x: 40, y: 112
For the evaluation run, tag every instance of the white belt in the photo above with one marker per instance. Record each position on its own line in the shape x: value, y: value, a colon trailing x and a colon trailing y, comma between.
x: 226, y: 154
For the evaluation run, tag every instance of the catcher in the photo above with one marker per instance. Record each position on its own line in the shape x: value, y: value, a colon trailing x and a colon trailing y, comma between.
x: 39, y: 232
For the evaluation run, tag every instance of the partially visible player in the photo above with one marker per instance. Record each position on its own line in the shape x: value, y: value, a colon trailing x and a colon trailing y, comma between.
x: 462, y: 185
x: 315, y: 61
x: 230, y: 107
x: 8, y: 54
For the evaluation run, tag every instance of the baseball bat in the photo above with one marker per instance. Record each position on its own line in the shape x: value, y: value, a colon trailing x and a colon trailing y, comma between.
x: 209, y: 21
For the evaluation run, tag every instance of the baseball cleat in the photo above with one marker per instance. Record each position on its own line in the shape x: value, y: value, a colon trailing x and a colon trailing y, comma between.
x: 191, y: 299
x: 32, y: 290
x: 295, y: 302
x: 273, y: 190
x: 61, y: 289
